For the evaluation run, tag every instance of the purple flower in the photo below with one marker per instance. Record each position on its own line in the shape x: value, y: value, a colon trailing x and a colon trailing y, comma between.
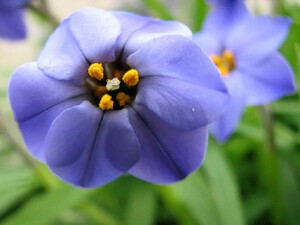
x: 244, y: 48
x: 114, y: 93
x: 11, y: 19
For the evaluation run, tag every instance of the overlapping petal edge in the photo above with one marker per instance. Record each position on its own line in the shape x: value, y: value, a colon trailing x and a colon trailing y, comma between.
x: 261, y: 75
x: 160, y: 138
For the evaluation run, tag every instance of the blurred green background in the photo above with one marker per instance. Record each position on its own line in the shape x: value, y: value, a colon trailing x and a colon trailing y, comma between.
x: 253, y: 179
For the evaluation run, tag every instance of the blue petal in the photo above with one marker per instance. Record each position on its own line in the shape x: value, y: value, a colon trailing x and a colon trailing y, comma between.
x: 269, y: 80
x: 180, y: 104
x: 130, y: 23
x: 155, y: 29
x: 226, y: 124
x: 208, y: 43
x: 178, y: 57
x: 11, y: 24
x: 167, y: 155
x: 226, y: 15
x: 96, y: 33
x: 88, y: 150
x: 35, y: 129
x: 13, y: 3
x: 31, y: 92
x: 267, y: 34
x: 61, y: 57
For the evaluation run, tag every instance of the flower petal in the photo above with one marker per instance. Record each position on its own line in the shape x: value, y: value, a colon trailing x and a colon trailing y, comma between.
x: 268, y: 81
x: 267, y: 34
x: 167, y: 154
x: 208, y: 43
x: 178, y: 57
x: 96, y: 32
x: 61, y: 57
x: 225, y: 17
x: 11, y: 24
x: 100, y: 151
x: 130, y: 23
x: 226, y: 124
x: 31, y: 92
x: 13, y: 3
x: 180, y: 104
x: 35, y: 129
x: 155, y: 29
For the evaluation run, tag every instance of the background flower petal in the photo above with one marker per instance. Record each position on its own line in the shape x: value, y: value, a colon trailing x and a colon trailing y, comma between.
x: 226, y: 124
x: 167, y: 154
x: 208, y: 43
x: 180, y: 104
x: 157, y: 28
x: 13, y: 3
x: 269, y: 80
x: 61, y: 57
x: 31, y: 92
x: 267, y: 34
x: 100, y: 151
x: 11, y: 23
x: 224, y: 18
x: 96, y: 33
x: 178, y: 57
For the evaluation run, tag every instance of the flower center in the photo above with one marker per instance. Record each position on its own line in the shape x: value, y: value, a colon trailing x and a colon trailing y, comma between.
x: 112, y: 88
x: 225, y: 62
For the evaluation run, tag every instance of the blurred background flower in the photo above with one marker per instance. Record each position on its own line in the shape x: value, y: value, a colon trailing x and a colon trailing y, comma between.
x: 252, y: 179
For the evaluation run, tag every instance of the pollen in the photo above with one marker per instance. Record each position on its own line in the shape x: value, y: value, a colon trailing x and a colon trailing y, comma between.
x: 225, y: 62
x: 99, y: 91
x: 113, y: 84
x: 106, y: 102
x: 96, y: 71
x: 131, y: 77
x: 122, y: 98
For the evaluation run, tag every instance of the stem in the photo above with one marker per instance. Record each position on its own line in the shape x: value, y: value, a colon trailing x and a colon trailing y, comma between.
x: 42, y: 9
x: 267, y: 120
x: 14, y: 142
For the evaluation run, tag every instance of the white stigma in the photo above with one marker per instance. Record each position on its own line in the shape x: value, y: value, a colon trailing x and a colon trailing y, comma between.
x: 113, y: 84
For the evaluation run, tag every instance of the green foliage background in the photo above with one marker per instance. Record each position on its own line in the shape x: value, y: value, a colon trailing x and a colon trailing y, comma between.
x: 249, y: 180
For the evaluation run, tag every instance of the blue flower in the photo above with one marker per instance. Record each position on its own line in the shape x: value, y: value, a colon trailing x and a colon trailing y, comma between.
x: 11, y: 19
x: 114, y: 93
x: 244, y: 48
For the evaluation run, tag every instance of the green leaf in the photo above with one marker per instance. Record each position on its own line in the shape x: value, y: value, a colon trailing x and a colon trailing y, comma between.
x: 158, y: 8
x: 224, y: 187
x: 197, y: 197
x: 47, y: 207
x: 200, y: 11
x: 255, y: 206
x: 140, y: 209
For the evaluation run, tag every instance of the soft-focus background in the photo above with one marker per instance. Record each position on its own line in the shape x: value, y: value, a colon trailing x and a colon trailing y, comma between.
x: 252, y: 179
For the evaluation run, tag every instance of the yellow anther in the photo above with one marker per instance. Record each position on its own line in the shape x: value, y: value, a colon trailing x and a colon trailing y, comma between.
x: 99, y: 91
x: 229, y: 58
x: 216, y: 59
x: 223, y: 71
x: 118, y: 74
x: 122, y: 98
x: 96, y: 71
x: 131, y: 77
x: 106, y: 103
x: 224, y: 62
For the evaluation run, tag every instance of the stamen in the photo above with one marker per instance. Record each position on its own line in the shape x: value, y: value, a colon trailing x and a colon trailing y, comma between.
x: 106, y: 103
x: 96, y: 71
x: 99, y: 91
x: 122, y: 98
x: 113, y: 84
x: 118, y: 74
x: 224, y: 62
x: 131, y: 77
